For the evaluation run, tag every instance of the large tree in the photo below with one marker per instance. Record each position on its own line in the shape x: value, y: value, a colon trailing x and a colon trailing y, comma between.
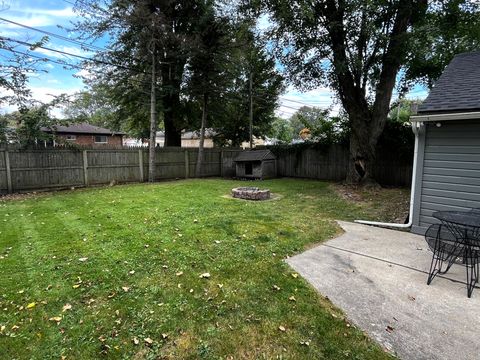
x: 248, y: 58
x: 207, y: 67
x: 362, y: 49
x: 144, y: 35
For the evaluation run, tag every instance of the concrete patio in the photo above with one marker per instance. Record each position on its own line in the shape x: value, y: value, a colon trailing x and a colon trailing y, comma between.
x: 378, y: 278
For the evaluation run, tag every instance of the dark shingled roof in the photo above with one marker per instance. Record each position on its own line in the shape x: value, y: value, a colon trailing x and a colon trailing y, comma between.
x: 255, y: 155
x: 80, y: 129
x: 458, y: 88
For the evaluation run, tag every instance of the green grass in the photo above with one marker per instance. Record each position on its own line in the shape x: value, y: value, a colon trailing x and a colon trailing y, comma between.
x: 142, y: 237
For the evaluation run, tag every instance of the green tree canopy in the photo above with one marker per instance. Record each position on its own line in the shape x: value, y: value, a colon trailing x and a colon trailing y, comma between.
x: 363, y: 49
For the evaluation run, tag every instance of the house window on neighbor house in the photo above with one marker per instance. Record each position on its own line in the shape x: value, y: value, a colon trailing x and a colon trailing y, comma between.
x: 71, y: 137
x: 100, y: 139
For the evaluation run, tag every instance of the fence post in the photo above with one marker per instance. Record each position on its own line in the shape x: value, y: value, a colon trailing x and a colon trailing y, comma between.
x: 9, y: 172
x: 221, y: 163
x: 187, y: 165
x: 140, y: 164
x: 85, y: 167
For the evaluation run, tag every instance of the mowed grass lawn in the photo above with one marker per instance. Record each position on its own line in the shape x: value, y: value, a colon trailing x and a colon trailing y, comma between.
x: 171, y: 270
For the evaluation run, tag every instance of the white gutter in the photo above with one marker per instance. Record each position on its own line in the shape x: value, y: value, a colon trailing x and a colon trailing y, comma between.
x: 415, y: 128
x: 444, y: 117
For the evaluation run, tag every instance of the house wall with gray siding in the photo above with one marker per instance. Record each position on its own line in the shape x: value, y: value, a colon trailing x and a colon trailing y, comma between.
x: 448, y: 171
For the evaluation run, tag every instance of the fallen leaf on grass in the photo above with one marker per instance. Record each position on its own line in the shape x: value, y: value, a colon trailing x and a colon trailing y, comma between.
x: 125, y: 288
x: 205, y: 275
x: 76, y: 286
x: 83, y: 259
x: 31, y: 305
x: 276, y: 287
x: 164, y: 335
x: 292, y: 298
x: 136, y: 341
x: 180, y: 273
x: 66, y: 307
x: 148, y: 341
x: 282, y: 328
x: 57, y: 319
x: 306, y: 343
x: 294, y: 275
x: 131, y: 272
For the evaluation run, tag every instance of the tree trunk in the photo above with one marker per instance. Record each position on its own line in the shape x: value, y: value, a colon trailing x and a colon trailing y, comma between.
x: 198, y: 168
x: 367, y: 121
x: 153, y: 121
x: 172, y: 113
x: 173, y: 136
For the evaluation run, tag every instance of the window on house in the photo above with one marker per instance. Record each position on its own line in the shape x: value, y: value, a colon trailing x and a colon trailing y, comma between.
x: 248, y: 169
x: 100, y: 139
x: 71, y: 137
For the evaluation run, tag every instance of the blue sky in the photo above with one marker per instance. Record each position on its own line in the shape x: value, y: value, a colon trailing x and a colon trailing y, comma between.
x: 48, y: 14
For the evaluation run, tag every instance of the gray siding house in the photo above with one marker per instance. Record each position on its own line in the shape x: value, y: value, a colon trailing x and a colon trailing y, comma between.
x: 447, y: 156
x: 256, y: 164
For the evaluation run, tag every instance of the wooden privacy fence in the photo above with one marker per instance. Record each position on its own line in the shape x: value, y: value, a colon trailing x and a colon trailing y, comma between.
x: 27, y: 170
x: 332, y: 164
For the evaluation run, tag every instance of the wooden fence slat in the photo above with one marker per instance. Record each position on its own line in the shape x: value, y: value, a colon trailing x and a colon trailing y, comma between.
x: 140, y: 165
x: 9, y: 172
x: 85, y: 167
x: 187, y: 165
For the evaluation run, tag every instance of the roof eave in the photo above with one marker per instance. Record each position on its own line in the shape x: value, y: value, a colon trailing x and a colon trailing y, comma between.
x: 471, y: 115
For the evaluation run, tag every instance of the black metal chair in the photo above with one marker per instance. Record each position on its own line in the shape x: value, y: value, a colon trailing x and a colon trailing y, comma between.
x: 446, y: 250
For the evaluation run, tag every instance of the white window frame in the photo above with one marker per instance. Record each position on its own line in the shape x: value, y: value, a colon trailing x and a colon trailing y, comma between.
x: 100, y: 136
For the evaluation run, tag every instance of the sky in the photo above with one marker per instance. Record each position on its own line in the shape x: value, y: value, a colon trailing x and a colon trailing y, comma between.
x: 48, y: 15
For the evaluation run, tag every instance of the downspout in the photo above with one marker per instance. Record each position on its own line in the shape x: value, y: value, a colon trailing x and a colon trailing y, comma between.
x: 416, y: 129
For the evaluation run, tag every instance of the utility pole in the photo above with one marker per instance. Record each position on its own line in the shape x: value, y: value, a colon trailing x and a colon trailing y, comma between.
x: 153, y: 119
x: 251, y: 111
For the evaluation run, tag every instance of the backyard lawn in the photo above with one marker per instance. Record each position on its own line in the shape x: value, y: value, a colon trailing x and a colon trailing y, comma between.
x: 173, y: 270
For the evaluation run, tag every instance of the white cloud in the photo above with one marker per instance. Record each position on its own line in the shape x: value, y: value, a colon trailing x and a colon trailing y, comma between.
x: 46, y: 94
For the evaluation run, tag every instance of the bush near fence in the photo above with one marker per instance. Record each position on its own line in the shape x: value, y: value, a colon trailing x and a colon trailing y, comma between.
x: 40, y: 168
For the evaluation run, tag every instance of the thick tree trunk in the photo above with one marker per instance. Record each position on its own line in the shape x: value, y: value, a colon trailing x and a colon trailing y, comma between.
x: 362, y: 156
x: 198, y: 169
x: 173, y: 136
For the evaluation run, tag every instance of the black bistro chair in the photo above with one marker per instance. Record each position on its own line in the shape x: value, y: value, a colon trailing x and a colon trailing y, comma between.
x: 445, y: 248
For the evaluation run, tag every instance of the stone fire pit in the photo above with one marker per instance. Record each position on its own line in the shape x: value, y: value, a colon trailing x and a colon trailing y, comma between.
x: 251, y: 193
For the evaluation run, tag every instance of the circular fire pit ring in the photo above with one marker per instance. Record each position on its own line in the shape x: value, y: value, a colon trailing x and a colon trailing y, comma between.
x: 251, y: 193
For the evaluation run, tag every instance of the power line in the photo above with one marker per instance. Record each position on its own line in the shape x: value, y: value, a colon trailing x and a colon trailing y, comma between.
x: 296, y: 101
x: 32, y: 46
x: 73, y: 41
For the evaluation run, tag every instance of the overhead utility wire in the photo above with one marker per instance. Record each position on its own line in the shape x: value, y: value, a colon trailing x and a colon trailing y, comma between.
x: 64, y: 52
x: 58, y: 36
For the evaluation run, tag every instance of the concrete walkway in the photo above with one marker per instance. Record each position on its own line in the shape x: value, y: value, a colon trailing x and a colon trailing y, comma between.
x: 378, y: 277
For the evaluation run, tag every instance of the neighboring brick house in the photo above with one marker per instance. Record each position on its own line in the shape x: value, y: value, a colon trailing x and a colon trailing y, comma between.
x: 85, y: 134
